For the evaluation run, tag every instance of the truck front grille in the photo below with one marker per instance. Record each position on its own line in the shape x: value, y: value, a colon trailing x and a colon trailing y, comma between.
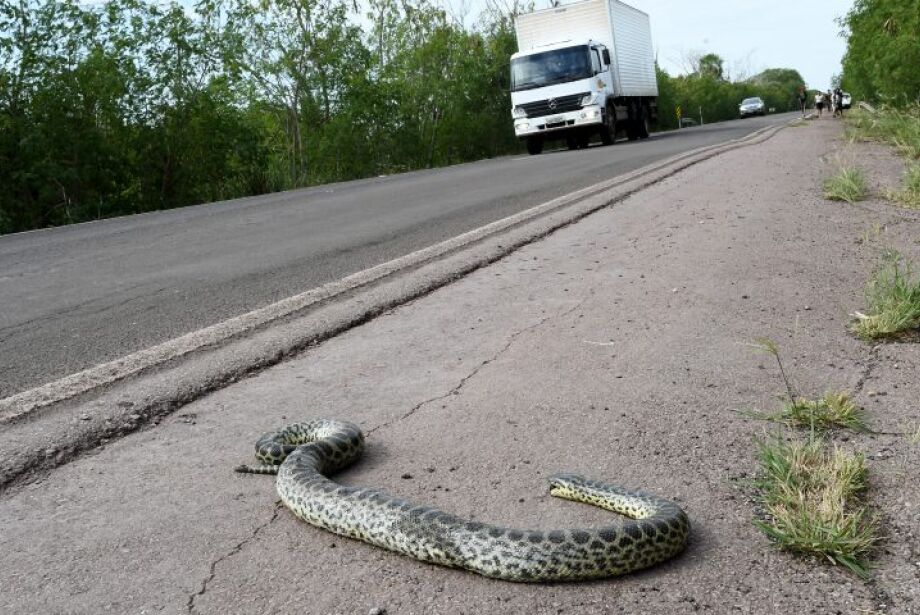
x: 540, y: 108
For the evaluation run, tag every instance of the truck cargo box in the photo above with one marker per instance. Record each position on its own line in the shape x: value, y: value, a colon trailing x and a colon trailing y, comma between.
x: 625, y: 31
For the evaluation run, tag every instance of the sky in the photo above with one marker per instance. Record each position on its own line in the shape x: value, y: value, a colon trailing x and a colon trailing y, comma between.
x: 750, y: 35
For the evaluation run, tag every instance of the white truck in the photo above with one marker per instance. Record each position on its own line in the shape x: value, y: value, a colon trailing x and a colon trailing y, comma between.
x: 583, y: 69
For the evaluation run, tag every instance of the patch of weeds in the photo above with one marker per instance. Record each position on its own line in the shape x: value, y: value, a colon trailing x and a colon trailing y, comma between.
x: 897, y: 127
x: 873, y: 234
x: 833, y: 410
x: 848, y: 185
x: 812, y: 499
x: 909, y: 195
x: 812, y: 495
x: 893, y: 301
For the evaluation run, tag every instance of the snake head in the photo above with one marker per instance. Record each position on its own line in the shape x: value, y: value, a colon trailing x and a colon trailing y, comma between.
x: 560, y: 484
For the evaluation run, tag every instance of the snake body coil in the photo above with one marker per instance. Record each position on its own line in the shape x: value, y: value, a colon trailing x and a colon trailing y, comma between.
x: 303, y: 453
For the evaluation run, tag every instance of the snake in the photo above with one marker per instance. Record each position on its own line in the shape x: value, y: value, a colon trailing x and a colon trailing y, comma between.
x: 652, y: 530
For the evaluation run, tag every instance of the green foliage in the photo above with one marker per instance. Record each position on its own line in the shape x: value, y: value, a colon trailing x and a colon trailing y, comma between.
x: 834, y: 409
x: 708, y: 91
x: 779, y: 87
x: 893, y: 298
x: 136, y: 105
x: 883, y: 51
x: 848, y: 184
x: 127, y: 106
x: 909, y: 195
x: 711, y: 66
x: 812, y: 498
x: 899, y: 128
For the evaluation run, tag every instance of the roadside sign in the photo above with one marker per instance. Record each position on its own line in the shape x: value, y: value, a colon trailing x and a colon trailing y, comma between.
x: 678, y: 111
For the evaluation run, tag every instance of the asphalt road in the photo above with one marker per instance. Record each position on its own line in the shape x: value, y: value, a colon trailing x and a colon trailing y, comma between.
x: 76, y: 296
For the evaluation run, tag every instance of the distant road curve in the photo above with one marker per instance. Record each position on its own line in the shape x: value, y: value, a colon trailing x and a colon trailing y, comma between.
x: 77, y: 296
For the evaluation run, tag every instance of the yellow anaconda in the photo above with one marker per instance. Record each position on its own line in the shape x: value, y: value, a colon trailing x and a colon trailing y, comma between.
x: 303, y: 454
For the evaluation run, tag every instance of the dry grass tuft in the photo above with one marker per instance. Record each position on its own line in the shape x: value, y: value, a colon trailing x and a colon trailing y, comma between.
x: 893, y: 298
x: 812, y: 499
x: 833, y: 410
x: 849, y: 184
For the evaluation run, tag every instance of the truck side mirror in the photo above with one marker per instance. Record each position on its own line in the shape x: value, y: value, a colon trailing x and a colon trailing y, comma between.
x: 606, y: 57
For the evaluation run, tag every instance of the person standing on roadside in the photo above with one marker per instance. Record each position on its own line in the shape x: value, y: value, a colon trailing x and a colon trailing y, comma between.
x: 819, y: 103
x: 829, y: 99
x: 838, y: 101
x: 803, y: 99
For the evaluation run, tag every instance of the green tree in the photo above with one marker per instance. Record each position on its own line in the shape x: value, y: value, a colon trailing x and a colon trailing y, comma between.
x: 711, y: 66
x: 883, y: 51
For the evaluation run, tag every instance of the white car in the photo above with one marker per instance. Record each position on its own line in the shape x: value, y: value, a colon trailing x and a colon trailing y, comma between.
x: 752, y: 106
x: 846, y: 101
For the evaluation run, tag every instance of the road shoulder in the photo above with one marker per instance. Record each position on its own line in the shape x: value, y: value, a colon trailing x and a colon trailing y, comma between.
x: 616, y: 347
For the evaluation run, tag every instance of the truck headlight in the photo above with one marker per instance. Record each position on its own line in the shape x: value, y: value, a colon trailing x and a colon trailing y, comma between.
x: 518, y: 113
x: 590, y: 99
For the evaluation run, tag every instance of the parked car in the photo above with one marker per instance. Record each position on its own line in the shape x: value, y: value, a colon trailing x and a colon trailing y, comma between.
x: 752, y: 106
x: 847, y: 101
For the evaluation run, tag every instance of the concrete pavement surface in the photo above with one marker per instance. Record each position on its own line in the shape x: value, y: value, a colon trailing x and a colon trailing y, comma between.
x: 617, y: 347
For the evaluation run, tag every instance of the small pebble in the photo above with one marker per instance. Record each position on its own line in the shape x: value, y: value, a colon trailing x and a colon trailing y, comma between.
x: 377, y: 611
x: 406, y: 476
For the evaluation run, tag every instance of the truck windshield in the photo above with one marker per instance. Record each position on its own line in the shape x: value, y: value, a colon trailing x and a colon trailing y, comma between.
x: 550, y: 67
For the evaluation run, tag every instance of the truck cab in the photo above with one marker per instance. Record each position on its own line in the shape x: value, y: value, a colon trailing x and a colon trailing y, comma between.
x: 560, y: 91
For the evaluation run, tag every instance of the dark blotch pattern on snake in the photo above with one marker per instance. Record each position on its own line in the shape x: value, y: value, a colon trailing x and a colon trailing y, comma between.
x: 303, y: 454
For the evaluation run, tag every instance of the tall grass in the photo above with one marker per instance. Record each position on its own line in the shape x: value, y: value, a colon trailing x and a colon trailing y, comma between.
x: 909, y: 194
x: 893, y: 301
x: 849, y: 184
x: 897, y: 127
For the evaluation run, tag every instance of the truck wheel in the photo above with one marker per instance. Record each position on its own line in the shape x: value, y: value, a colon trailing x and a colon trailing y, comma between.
x: 534, y: 145
x: 571, y: 143
x: 609, y: 127
x: 642, y: 122
x: 632, y: 122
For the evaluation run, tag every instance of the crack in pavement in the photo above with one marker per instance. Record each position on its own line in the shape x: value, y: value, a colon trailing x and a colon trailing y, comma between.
x: 867, y: 369
x: 212, y: 572
x: 456, y: 389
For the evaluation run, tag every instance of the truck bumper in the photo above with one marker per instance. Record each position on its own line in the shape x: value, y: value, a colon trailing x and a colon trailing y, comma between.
x: 592, y: 116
